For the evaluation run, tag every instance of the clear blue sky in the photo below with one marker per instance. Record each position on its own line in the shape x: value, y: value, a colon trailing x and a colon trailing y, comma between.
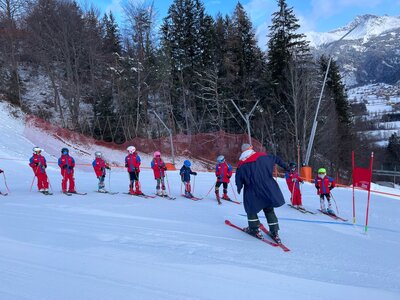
x: 314, y: 15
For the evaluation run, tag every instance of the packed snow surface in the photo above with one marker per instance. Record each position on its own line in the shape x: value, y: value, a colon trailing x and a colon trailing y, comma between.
x: 103, y: 246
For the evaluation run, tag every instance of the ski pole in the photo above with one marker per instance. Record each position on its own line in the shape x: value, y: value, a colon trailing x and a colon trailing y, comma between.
x: 5, y: 182
x: 33, y: 180
x: 210, y: 189
x: 291, y: 196
x: 233, y: 191
x: 194, y: 183
x: 169, y: 190
x: 109, y: 179
x: 337, y: 209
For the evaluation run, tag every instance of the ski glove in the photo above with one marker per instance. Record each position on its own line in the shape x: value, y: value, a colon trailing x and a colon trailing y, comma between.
x: 1, y: 171
x: 238, y: 190
x: 64, y: 166
x: 108, y: 168
x: 228, y: 177
x: 70, y: 167
x: 294, y: 180
x: 194, y: 173
x: 331, y: 187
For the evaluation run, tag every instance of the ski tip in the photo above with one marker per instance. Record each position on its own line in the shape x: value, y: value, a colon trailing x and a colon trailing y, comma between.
x: 227, y: 222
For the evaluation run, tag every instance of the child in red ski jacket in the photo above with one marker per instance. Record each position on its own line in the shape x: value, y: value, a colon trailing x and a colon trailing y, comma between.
x: 38, y: 164
x: 159, y: 168
x: 67, y: 165
x: 223, y: 171
x: 100, y: 166
x: 293, y: 182
x: 324, y: 184
x: 132, y: 164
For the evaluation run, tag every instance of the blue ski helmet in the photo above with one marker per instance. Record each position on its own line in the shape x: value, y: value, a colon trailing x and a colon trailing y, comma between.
x: 64, y: 151
x: 187, y: 163
x: 220, y: 158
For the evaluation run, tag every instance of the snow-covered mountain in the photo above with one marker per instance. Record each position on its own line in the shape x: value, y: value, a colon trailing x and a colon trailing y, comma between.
x: 366, y: 27
x: 369, y: 54
x: 369, y: 61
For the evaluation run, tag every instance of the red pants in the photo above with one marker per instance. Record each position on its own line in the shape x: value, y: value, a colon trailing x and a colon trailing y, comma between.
x: 188, y: 187
x: 296, y: 197
x: 42, y: 182
x: 68, y: 177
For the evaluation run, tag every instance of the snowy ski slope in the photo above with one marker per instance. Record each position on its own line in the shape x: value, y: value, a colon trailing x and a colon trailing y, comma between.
x: 103, y: 246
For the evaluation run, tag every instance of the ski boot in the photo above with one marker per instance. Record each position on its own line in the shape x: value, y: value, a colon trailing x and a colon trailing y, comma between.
x: 330, y: 211
x: 102, y: 190
x: 159, y: 193
x: 225, y: 197
x: 218, y: 198
x: 188, y: 194
x: 254, y: 232
x: 275, y: 237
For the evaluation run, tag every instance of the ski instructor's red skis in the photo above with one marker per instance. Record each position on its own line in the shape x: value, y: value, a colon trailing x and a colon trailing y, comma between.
x: 227, y: 222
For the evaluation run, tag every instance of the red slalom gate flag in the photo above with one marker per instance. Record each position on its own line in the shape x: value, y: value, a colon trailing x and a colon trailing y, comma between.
x: 362, y: 178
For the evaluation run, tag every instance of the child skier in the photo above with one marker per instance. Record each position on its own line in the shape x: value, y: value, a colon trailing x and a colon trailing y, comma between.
x: 159, y: 168
x: 67, y: 164
x: 132, y: 164
x: 185, y: 173
x: 100, y: 166
x: 38, y: 164
x: 223, y: 171
x: 293, y: 182
x: 324, y: 184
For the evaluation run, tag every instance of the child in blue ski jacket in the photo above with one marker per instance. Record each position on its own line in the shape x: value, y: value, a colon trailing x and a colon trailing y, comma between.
x: 185, y: 173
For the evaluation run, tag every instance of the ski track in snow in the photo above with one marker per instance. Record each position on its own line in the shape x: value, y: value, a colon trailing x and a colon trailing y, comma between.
x: 103, y: 246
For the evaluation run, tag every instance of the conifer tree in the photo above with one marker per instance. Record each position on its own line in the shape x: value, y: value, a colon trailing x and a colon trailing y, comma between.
x: 186, y: 42
x: 288, y: 80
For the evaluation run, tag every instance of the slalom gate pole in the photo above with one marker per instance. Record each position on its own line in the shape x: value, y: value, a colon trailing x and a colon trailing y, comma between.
x: 169, y: 189
x: 210, y: 189
x: 352, y: 175
x: 233, y: 191
x: 337, y: 209
x: 369, y: 191
x: 5, y: 182
x: 181, y: 186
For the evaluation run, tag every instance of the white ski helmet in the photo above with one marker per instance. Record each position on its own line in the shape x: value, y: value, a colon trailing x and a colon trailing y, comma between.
x: 131, y: 149
x: 220, y: 158
x: 37, y: 150
x: 98, y: 154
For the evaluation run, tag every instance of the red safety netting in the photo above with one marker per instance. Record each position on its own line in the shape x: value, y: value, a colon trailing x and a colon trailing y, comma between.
x: 202, y: 146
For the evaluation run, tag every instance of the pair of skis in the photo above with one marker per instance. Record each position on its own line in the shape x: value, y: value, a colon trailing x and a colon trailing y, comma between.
x: 302, y: 209
x: 333, y: 216
x: 108, y: 192
x: 305, y: 211
x: 192, y: 198
x: 272, y: 243
x: 166, y: 197
x: 141, y: 195
x: 74, y: 193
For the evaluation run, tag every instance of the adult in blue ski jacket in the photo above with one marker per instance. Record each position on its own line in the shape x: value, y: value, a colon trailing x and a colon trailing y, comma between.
x: 261, y: 192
